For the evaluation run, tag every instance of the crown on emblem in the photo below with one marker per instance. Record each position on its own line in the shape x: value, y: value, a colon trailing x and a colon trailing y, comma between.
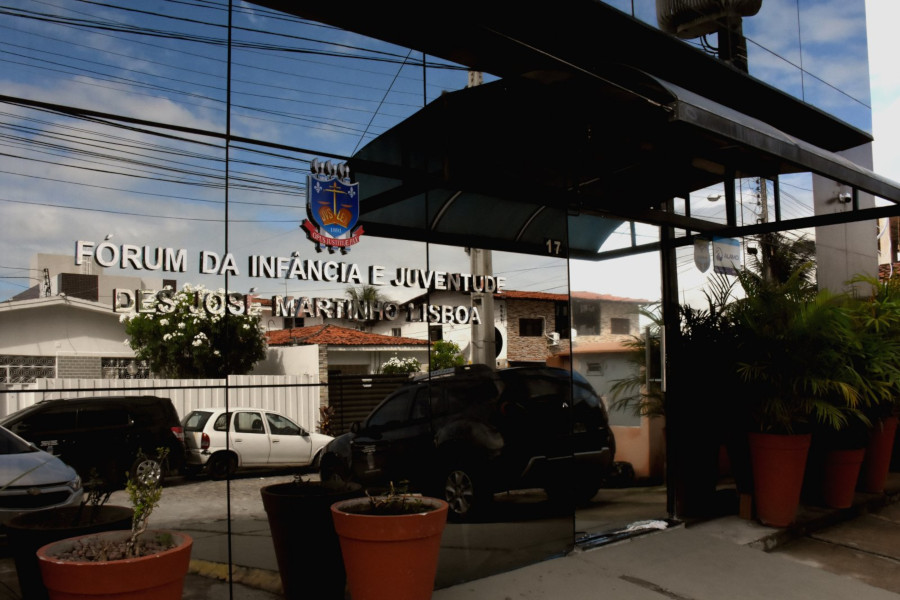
x: 329, y: 170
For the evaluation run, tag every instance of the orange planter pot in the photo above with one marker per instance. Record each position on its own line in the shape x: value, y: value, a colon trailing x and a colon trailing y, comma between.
x: 877, y: 462
x: 390, y: 557
x: 840, y: 477
x: 156, y: 577
x: 779, y: 462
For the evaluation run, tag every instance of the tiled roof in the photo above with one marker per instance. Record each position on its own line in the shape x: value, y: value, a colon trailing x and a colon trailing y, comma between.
x: 564, y: 298
x: 335, y: 336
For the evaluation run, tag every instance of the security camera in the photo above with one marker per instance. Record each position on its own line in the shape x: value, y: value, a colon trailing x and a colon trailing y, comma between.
x: 845, y: 197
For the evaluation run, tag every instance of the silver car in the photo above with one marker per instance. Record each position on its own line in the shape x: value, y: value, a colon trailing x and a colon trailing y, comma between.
x: 256, y: 438
x: 31, y: 479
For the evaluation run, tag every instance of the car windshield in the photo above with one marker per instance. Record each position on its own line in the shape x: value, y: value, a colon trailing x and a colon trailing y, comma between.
x: 196, y: 421
x: 13, y: 444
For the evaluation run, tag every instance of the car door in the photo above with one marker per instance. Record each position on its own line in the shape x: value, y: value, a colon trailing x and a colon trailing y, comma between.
x: 388, y: 446
x: 249, y: 438
x: 51, y: 429
x: 291, y: 445
x: 103, y: 438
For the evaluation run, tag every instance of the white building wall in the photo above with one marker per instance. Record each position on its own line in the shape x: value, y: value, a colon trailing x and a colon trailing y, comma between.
x: 848, y: 249
x: 61, y: 326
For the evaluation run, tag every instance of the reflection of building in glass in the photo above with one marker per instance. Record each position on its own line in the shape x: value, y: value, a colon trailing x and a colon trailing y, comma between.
x: 590, y: 118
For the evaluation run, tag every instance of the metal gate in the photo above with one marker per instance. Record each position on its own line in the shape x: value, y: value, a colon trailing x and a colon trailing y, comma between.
x: 352, y: 397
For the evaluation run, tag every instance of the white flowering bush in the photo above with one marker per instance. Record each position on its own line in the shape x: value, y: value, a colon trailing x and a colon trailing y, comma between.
x: 188, y: 341
x: 397, y: 366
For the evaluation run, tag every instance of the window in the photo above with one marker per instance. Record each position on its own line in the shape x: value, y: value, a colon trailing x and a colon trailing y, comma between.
x: 196, y: 421
x: 248, y: 422
x: 26, y: 369
x: 563, y: 326
x: 435, y: 333
x: 394, y: 411
x: 291, y: 322
x: 124, y: 368
x: 620, y: 326
x: 531, y: 327
x: 586, y: 317
x: 420, y: 407
x: 222, y: 421
x: 279, y: 425
x: 102, y: 417
x: 395, y: 331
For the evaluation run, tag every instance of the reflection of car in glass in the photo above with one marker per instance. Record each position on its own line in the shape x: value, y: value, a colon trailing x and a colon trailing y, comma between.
x: 470, y: 432
x: 31, y: 479
x: 258, y: 438
x: 113, y: 435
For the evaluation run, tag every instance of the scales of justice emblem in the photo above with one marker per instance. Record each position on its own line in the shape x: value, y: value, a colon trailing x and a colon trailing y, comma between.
x: 332, y: 207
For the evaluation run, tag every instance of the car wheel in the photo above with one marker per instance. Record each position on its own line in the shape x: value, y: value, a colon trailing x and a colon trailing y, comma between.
x: 146, y: 470
x: 221, y: 466
x: 463, y: 489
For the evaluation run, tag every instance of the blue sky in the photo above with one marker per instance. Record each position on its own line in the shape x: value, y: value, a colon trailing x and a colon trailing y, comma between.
x: 188, y: 205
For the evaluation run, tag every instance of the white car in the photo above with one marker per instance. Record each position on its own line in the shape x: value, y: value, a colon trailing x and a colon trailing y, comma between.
x: 257, y: 438
x: 31, y: 479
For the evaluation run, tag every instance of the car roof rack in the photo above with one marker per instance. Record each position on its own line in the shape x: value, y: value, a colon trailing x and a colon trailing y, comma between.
x: 475, y: 369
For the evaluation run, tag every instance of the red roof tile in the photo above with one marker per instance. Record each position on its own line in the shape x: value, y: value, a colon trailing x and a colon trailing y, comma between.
x: 524, y: 295
x: 335, y: 335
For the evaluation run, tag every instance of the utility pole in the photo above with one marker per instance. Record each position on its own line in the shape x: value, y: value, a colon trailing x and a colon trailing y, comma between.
x: 48, y: 290
x: 763, y: 218
x: 484, y: 347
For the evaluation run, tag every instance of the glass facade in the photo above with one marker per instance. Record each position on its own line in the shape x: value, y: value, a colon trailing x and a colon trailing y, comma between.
x: 171, y: 144
x: 811, y: 50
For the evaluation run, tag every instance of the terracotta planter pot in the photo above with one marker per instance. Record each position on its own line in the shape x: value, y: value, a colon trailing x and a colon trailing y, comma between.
x: 877, y: 462
x: 841, y: 473
x: 156, y: 577
x: 388, y: 557
x: 778, y: 462
x: 28, y: 532
x: 300, y: 512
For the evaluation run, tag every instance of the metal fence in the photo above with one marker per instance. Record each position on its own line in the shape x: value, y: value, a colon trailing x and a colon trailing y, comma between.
x: 295, y: 396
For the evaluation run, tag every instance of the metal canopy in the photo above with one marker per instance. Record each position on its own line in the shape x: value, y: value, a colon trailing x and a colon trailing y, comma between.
x: 509, y: 39
x: 502, y: 165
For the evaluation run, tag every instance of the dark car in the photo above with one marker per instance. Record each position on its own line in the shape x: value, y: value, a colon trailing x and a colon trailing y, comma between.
x: 112, y: 435
x: 470, y: 432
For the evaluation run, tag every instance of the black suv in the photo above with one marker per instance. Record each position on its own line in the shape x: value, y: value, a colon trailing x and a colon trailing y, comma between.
x: 469, y: 432
x: 114, y: 434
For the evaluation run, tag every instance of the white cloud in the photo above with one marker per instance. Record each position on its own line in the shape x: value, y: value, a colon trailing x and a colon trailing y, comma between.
x: 884, y: 47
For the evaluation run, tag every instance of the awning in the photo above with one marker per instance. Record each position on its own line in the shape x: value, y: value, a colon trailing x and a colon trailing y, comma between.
x: 501, y: 166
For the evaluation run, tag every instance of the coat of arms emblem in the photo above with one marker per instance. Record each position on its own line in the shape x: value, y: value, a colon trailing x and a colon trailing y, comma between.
x: 332, y: 207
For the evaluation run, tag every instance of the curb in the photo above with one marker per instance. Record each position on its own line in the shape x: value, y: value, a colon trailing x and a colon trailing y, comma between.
x: 262, y: 579
x: 828, y: 517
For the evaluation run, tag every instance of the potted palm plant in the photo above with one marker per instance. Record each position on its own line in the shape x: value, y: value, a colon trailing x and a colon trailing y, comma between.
x: 390, y: 544
x: 878, y: 319
x: 793, y: 362
x: 135, y: 563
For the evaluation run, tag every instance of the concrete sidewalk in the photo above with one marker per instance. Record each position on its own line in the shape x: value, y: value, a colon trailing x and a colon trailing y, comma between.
x: 682, y: 564
x: 707, y: 560
x: 715, y: 559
